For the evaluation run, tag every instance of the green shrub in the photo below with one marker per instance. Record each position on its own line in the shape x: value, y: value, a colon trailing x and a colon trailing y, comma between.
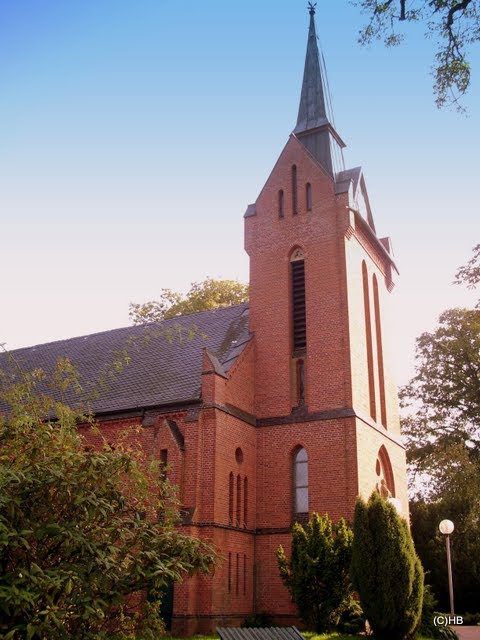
x: 385, y: 570
x: 317, y: 574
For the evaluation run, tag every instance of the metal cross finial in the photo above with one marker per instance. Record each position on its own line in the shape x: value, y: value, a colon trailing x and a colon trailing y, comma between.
x: 311, y: 8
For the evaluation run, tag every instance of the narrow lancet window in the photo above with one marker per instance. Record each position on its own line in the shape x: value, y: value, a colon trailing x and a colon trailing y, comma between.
x: 239, y: 499
x: 281, y: 212
x: 300, y: 481
x: 299, y: 315
x: 245, y: 501
x: 378, y: 331
x: 230, y: 498
x: 308, y: 196
x: 368, y: 339
x: 300, y: 381
x: 294, y: 191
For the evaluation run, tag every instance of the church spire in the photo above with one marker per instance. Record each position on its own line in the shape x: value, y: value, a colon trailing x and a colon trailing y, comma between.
x: 315, y: 127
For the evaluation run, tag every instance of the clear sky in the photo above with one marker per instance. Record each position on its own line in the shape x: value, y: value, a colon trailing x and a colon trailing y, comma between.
x: 133, y: 135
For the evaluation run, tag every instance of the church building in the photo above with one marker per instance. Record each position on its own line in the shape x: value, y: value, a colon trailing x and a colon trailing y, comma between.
x: 277, y: 408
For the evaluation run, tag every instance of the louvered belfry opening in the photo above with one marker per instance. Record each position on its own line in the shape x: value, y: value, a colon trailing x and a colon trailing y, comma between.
x: 298, y: 303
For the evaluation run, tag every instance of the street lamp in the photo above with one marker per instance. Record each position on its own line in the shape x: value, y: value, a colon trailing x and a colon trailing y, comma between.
x: 446, y: 527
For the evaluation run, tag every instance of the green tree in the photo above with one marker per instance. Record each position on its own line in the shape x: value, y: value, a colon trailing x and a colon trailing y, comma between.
x: 385, y: 569
x: 442, y: 401
x: 81, y: 538
x: 202, y: 296
x: 463, y: 510
x: 454, y: 25
x: 317, y: 574
x: 442, y: 427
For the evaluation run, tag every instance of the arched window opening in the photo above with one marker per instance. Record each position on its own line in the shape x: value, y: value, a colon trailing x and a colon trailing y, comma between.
x: 237, y: 574
x: 385, y: 484
x: 230, y: 498
x: 299, y: 309
x: 294, y: 191
x: 300, y: 381
x: 239, y: 499
x: 368, y: 339
x: 308, y: 196
x: 244, y: 574
x: 300, y: 481
x: 245, y: 501
x: 281, y: 211
x: 378, y: 331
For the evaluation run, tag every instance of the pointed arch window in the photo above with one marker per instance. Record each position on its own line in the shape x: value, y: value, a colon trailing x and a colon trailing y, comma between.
x: 239, y: 499
x: 368, y: 339
x: 294, y: 190
x: 300, y: 481
x: 378, y: 332
x: 299, y: 310
x: 230, y: 498
x: 281, y: 204
x: 245, y: 501
x: 383, y: 468
x: 308, y: 196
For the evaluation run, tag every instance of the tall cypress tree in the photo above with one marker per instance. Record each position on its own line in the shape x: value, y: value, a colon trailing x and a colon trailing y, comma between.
x: 386, y: 570
x: 317, y: 574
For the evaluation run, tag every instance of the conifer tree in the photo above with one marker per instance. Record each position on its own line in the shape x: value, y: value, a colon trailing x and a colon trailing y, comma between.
x: 386, y: 570
x: 317, y: 573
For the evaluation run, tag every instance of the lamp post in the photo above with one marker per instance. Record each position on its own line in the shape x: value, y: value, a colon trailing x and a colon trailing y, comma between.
x: 446, y: 527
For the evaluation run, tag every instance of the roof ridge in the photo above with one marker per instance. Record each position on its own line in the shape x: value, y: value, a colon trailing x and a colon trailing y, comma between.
x: 132, y: 327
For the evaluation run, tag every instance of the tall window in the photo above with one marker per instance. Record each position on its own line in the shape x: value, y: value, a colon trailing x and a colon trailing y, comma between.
x: 230, y: 498
x: 239, y: 499
x: 300, y: 481
x: 229, y: 572
x: 385, y: 481
x: 299, y: 315
x: 368, y: 338
x: 280, y: 204
x: 245, y: 501
x: 300, y: 381
x: 308, y: 196
x: 294, y: 191
x: 378, y: 331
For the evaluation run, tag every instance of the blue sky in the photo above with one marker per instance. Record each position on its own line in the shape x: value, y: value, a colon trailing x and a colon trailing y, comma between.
x: 134, y: 134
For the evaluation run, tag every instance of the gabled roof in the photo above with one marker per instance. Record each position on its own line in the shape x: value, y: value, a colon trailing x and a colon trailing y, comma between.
x: 165, y: 359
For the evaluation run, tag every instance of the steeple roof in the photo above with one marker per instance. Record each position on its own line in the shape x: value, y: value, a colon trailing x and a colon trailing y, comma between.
x: 314, y: 126
x: 311, y: 112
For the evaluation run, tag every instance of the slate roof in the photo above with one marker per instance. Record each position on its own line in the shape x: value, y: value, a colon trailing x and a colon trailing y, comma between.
x: 165, y: 359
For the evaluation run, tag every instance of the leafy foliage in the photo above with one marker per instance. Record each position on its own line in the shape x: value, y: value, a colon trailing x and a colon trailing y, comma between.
x: 469, y: 274
x: 80, y: 533
x: 317, y: 574
x: 453, y: 24
x: 385, y: 569
x: 202, y: 296
x: 443, y: 428
x: 464, y: 510
x: 443, y: 399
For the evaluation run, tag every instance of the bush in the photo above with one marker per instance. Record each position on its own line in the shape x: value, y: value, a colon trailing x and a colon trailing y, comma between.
x: 75, y: 548
x: 317, y: 573
x: 386, y: 571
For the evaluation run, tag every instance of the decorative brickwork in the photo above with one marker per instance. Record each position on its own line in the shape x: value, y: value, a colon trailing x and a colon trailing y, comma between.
x: 295, y: 413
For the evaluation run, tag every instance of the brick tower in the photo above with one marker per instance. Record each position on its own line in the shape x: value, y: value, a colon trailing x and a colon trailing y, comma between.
x: 277, y: 410
x: 325, y: 404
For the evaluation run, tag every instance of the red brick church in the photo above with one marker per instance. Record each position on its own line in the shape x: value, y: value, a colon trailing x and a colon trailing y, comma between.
x: 277, y: 408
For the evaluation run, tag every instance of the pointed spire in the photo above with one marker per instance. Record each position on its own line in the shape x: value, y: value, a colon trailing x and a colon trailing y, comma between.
x: 315, y: 127
x: 311, y: 112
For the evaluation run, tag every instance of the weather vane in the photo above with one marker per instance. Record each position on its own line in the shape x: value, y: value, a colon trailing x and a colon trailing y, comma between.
x: 311, y: 8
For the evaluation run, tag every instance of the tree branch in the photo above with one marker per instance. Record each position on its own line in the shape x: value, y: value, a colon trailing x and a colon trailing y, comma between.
x: 460, y: 6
